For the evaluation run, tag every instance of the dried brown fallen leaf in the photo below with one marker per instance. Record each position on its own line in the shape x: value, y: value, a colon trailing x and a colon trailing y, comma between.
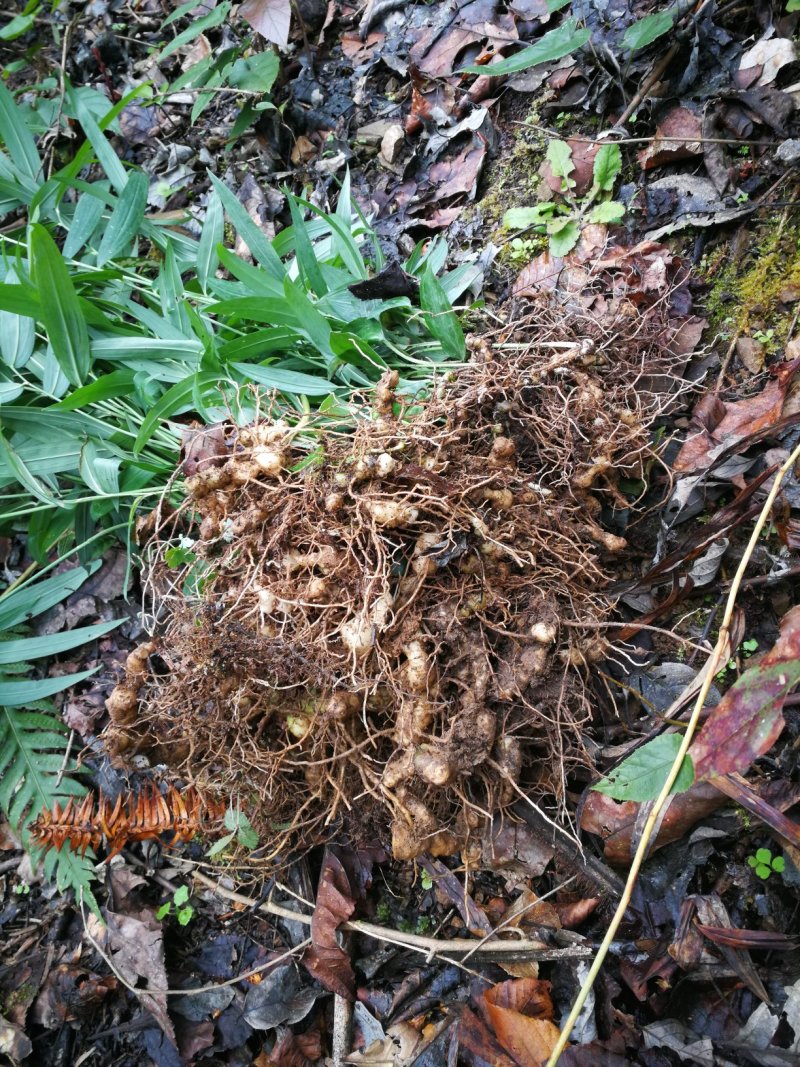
x: 715, y: 423
x: 678, y: 136
x: 521, y: 1013
x: 476, y: 1038
x: 270, y: 18
x: 136, y: 947
x: 748, y: 720
x: 326, y: 960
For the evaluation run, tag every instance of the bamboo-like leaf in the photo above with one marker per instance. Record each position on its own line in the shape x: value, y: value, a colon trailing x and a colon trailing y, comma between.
x: 100, y: 472
x: 88, y: 213
x: 126, y: 218
x: 556, y: 44
x: 207, y: 22
x: 24, y: 475
x: 20, y: 694
x: 25, y: 648
x: 29, y: 600
x: 256, y: 241
x: 442, y: 321
x: 285, y: 381
x: 17, y: 333
x: 17, y: 137
x: 107, y: 157
x: 212, y: 235
x: 60, y: 310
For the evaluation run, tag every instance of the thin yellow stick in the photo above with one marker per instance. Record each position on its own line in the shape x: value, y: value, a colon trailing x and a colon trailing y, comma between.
x: 644, y: 844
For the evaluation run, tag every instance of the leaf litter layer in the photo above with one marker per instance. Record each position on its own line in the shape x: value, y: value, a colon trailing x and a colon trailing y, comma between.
x: 367, y: 632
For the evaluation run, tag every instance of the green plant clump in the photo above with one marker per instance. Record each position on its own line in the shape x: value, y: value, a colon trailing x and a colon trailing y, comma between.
x: 115, y: 330
x: 562, y: 220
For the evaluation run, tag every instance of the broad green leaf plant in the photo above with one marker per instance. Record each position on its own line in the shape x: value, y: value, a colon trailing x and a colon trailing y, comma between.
x: 563, y: 219
x: 115, y: 329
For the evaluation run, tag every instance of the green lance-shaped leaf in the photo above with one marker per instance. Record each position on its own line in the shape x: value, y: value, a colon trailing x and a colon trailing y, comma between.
x: 60, y: 310
x: 554, y: 45
x: 126, y: 218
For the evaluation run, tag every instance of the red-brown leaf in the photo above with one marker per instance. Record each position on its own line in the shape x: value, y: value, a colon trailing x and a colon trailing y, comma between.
x: 521, y: 1013
x: 740, y: 419
x: 748, y: 720
x: 326, y: 959
x: 476, y: 1038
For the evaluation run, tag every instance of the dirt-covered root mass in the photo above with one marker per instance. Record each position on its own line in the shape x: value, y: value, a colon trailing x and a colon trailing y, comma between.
x: 365, y: 629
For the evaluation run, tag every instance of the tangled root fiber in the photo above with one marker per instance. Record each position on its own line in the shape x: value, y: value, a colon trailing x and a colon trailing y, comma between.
x: 368, y: 632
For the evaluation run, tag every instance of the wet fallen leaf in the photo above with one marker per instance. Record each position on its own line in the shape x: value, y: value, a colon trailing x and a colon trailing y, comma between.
x: 270, y: 18
x: 616, y: 821
x: 278, y: 998
x: 715, y: 423
x: 477, y: 1039
x: 326, y: 959
x: 749, y: 719
x: 678, y: 136
x: 576, y: 912
x: 521, y: 1013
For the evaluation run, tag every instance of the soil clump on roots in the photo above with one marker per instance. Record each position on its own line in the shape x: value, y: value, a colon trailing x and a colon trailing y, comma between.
x: 368, y: 631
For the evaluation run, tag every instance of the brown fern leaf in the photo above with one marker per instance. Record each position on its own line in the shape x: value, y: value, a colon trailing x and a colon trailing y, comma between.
x: 145, y: 815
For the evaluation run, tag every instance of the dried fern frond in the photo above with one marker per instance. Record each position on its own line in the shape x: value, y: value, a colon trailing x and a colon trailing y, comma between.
x: 141, y: 816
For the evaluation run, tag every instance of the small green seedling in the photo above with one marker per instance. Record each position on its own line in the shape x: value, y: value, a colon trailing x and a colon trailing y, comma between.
x: 562, y: 220
x: 763, y: 336
x: 240, y: 828
x: 22, y: 889
x: 426, y: 880
x: 746, y: 650
x: 763, y: 863
x: 183, y: 909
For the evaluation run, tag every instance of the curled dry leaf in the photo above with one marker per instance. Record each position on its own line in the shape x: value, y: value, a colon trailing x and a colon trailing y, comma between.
x: 326, y: 959
x: 748, y: 720
x: 616, y: 821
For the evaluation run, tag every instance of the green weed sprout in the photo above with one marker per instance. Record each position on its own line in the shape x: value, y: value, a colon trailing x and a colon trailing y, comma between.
x: 184, y: 912
x: 764, y: 864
